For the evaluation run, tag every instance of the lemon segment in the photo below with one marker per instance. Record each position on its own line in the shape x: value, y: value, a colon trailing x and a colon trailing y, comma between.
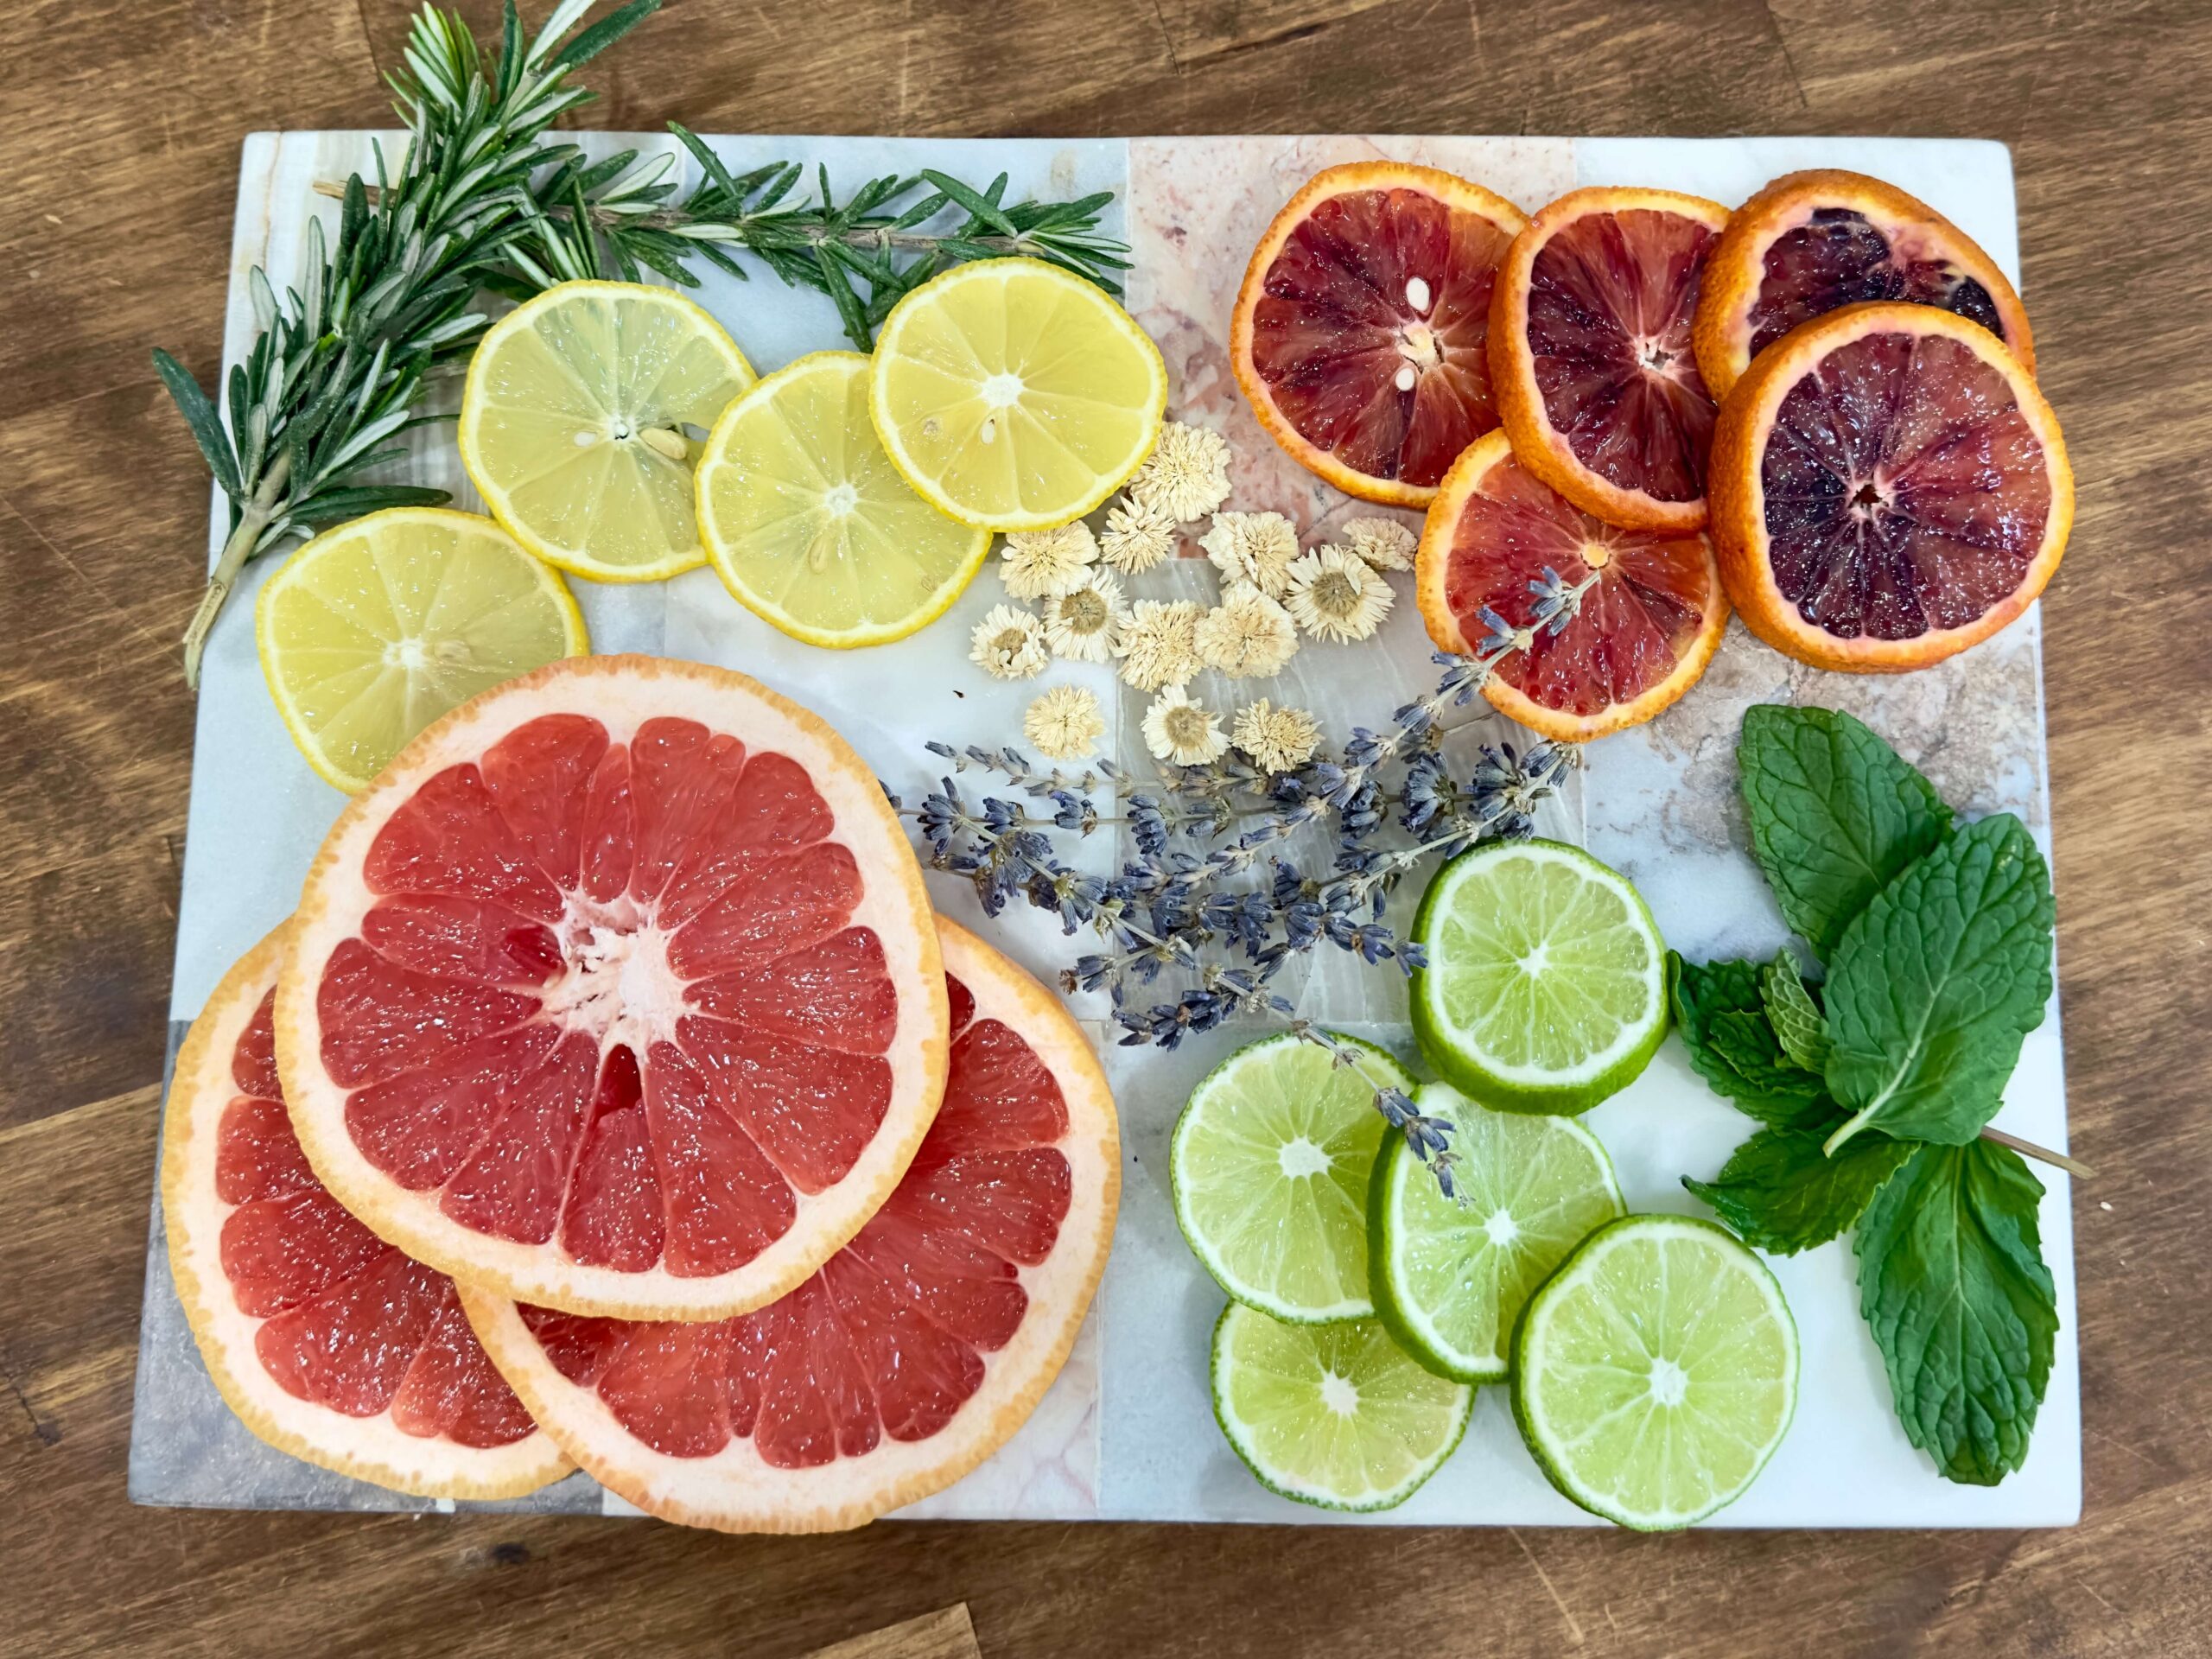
x: 573, y: 425
x: 1014, y: 395
x: 811, y: 527
x: 374, y: 629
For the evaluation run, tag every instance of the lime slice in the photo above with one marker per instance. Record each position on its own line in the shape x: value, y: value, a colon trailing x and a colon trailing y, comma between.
x: 574, y: 425
x: 1655, y: 1373
x: 1014, y: 395
x: 1331, y: 1414
x: 1450, y: 1278
x: 374, y: 629
x: 1546, y: 984
x: 810, y: 525
x: 1270, y: 1163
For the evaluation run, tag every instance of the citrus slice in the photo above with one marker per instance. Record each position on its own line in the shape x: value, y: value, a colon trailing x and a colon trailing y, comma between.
x: 1651, y: 617
x: 575, y: 425
x: 1589, y: 352
x: 374, y: 629
x: 1810, y: 242
x: 1452, y: 1274
x: 1269, y: 1164
x: 617, y: 992
x: 1889, y: 488
x: 327, y: 1341
x: 1334, y: 1415
x: 1545, y: 984
x: 1359, y: 332
x: 1655, y: 1373
x: 1014, y: 395
x: 809, y: 524
x: 914, y: 1352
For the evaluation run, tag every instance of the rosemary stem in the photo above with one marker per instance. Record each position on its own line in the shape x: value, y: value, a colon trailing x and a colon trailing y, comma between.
x: 2042, y: 1154
x: 236, y: 551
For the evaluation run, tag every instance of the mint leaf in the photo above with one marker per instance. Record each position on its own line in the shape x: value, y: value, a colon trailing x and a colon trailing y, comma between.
x: 1952, y: 1281
x: 1723, y: 1020
x: 1796, y: 1018
x: 1935, y: 983
x: 1835, y: 814
x: 1784, y: 1194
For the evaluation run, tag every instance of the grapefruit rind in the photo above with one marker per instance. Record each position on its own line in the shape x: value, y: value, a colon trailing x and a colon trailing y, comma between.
x: 1463, y: 195
x: 367, y: 1448
x: 622, y: 692
x: 1537, y: 444
x: 1735, y: 270
x: 1739, y: 500
x: 734, y: 1491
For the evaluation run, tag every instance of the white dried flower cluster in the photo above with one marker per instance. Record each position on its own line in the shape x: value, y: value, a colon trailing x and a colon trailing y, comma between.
x: 1064, y: 724
x: 1258, y: 548
x: 1045, y: 563
x: 1008, y: 644
x: 1276, y: 739
x: 1186, y: 474
x: 1137, y: 537
x: 1159, y: 644
x: 1248, y: 636
x: 1383, y: 542
x: 1084, y: 624
x: 1179, y: 730
x: 1333, y: 593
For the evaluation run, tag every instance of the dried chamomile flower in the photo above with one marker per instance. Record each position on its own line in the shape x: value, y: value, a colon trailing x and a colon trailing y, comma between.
x: 1045, y: 564
x: 1008, y: 644
x: 1178, y: 729
x: 1254, y: 547
x: 1383, y: 542
x: 1064, y: 724
x: 1333, y: 593
x: 1186, y: 475
x: 1276, y: 739
x: 1159, y: 644
x: 1247, y: 635
x: 1138, y: 535
x: 1084, y: 624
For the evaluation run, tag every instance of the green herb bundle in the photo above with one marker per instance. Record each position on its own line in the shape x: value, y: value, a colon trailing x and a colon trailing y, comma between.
x: 1874, y: 1089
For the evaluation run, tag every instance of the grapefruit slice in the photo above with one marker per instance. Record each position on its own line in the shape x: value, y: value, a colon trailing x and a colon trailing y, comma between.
x: 1641, y: 635
x: 915, y: 1351
x: 1591, y: 358
x: 1888, y: 487
x: 1358, y: 332
x: 327, y: 1341
x: 1810, y: 242
x: 617, y: 992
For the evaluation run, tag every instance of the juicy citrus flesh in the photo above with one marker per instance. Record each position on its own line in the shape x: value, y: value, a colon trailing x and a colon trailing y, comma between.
x: 1452, y: 1274
x: 1013, y: 395
x: 1841, y: 257
x: 811, y: 527
x: 575, y: 425
x: 374, y: 629
x: 1334, y: 1415
x: 1269, y: 1164
x: 1656, y: 1371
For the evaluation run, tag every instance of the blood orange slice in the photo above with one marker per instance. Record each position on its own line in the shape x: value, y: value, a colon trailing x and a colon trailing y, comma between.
x: 915, y: 1351
x: 327, y: 1341
x: 1649, y: 618
x: 1888, y: 487
x: 1591, y: 357
x: 618, y: 992
x: 1810, y: 242
x: 1358, y: 332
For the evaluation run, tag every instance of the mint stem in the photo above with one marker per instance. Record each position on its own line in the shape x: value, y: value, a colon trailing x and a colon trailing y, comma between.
x: 2042, y: 1154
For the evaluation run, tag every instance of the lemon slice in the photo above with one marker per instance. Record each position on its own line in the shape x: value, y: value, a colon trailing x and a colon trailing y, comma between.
x: 810, y: 525
x: 573, y: 425
x: 374, y: 629
x: 1014, y: 395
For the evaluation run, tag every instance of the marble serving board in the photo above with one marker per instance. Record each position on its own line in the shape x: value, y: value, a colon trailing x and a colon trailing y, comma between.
x: 1127, y: 1433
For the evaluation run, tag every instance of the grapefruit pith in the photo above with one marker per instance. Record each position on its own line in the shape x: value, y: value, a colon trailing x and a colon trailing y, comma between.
x: 327, y: 1341
x: 914, y: 1352
x: 617, y: 992
x: 1358, y: 332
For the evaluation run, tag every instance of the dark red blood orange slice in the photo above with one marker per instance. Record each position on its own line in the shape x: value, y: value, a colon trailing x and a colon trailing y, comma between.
x: 1650, y: 614
x: 1811, y: 241
x: 617, y: 992
x: 1358, y: 334
x: 327, y: 1341
x: 914, y: 1352
x: 1591, y: 357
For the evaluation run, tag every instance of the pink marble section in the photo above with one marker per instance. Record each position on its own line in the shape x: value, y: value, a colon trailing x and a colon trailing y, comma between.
x: 1197, y: 208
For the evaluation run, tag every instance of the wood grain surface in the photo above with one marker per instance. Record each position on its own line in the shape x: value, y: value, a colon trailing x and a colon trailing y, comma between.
x: 120, y: 127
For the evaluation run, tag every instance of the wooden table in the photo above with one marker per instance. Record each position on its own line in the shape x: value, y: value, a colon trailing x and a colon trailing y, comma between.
x: 120, y: 129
